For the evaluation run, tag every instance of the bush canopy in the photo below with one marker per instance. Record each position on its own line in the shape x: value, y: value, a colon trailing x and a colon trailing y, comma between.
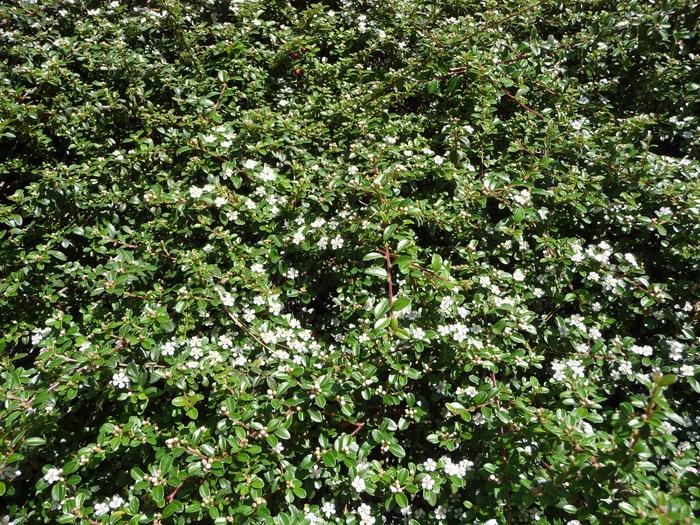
x: 356, y: 262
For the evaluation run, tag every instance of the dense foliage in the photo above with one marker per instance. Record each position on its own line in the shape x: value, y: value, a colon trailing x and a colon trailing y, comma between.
x: 358, y: 262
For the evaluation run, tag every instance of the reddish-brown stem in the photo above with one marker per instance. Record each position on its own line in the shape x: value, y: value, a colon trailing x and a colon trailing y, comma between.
x: 522, y: 105
x: 170, y: 497
x: 387, y: 257
x: 358, y: 426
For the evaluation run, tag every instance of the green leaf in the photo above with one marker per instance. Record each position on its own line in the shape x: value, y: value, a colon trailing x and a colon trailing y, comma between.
x: 381, y: 308
x: 667, y: 379
x: 401, y: 499
x: 401, y: 302
x: 382, y: 323
x: 397, y: 450
x: 329, y: 459
x: 456, y: 408
x: 518, y: 215
x: 372, y: 255
x: 58, y: 492
x: 376, y: 271
x: 172, y: 508
x: 158, y: 493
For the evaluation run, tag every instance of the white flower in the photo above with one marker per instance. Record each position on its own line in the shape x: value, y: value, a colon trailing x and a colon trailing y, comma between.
x: 40, y: 335
x: 518, y: 275
x: 395, y: 487
x: 120, y: 380
x: 116, y: 502
x: 676, y: 350
x: 645, y: 350
x: 687, y: 370
x: 267, y: 174
x: 226, y: 299
x: 292, y: 273
x: 278, y: 448
x: 365, y: 513
x: 573, y: 366
x: 225, y: 341
x: 429, y: 465
x: 427, y: 483
x: 312, y: 519
x: 196, y: 352
x: 440, y: 513
x: 220, y: 201
x: 250, y: 164
x: 101, y: 509
x: 318, y: 222
x: 53, y: 475
x: 168, y: 348
x: 523, y: 197
x: 458, y: 470
x: 257, y: 268
x: 359, y: 484
x: 196, y: 192
x: 337, y: 242
x: 328, y: 509
x: 418, y: 333
x: 437, y: 159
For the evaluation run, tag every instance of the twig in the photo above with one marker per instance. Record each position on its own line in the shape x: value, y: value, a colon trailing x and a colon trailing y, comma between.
x: 252, y: 334
x: 221, y: 96
x: 521, y: 104
x: 387, y: 257
x: 358, y: 426
x: 170, y: 497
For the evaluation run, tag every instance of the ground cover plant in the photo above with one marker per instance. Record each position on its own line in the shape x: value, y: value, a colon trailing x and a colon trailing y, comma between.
x: 349, y: 262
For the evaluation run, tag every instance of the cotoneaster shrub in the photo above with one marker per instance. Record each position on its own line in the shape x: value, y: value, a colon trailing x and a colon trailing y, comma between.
x: 358, y: 262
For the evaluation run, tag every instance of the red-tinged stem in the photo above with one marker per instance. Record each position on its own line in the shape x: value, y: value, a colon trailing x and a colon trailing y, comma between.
x: 358, y: 426
x: 387, y: 257
x: 170, y: 497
